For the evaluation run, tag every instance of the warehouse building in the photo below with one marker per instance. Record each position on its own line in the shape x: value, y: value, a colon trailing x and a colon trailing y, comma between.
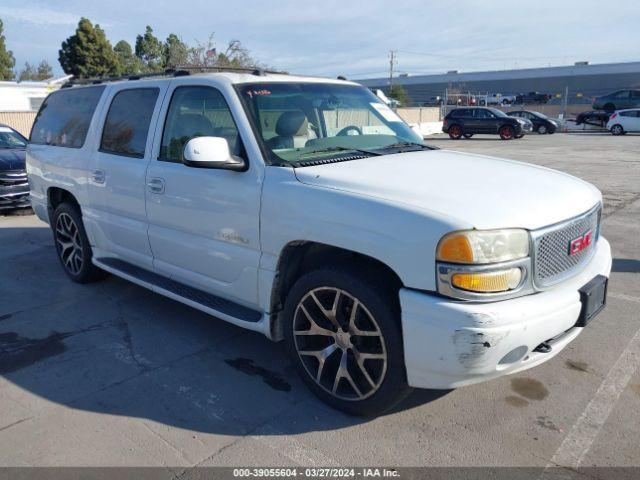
x: 583, y: 81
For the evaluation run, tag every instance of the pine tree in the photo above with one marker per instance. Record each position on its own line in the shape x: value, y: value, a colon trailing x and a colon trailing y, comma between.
x: 128, y: 63
x: 150, y: 51
x: 44, y: 71
x: 88, y: 53
x: 7, y: 62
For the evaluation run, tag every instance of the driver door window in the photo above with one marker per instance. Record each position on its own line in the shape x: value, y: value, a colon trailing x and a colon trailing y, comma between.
x: 197, y: 112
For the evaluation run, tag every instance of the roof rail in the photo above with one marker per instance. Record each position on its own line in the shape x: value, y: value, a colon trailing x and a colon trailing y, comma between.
x: 173, y: 72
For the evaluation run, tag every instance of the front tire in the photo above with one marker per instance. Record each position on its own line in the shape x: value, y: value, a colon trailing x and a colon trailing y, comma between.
x: 617, y: 130
x: 455, y: 132
x: 72, y: 245
x: 342, y: 332
x: 542, y: 129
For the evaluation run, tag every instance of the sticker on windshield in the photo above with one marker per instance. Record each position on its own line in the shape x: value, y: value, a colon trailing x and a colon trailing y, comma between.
x: 388, y: 114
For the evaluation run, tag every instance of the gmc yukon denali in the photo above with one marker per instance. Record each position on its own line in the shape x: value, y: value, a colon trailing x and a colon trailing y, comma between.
x: 307, y: 210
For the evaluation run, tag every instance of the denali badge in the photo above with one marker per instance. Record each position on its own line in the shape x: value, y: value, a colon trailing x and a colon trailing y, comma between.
x: 578, y: 244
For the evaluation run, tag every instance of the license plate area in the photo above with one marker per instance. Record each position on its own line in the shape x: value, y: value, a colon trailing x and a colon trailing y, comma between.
x: 593, y: 297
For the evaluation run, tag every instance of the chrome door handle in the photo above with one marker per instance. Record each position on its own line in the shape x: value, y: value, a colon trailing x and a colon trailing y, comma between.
x: 156, y: 185
x: 98, y: 176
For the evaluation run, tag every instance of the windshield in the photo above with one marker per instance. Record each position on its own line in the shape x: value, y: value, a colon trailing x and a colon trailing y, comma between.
x: 539, y: 115
x: 307, y: 121
x: 11, y: 139
x: 498, y: 113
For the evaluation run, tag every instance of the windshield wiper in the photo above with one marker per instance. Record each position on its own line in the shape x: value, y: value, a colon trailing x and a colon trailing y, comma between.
x: 413, y: 146
x: 341, y: 149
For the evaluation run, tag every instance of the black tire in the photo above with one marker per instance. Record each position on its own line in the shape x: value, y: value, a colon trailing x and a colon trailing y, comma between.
x: 507, y: 133
x: 617, y: 130
x: 455, y: 132
x: 385, y: 383
x: 542, y: 129
x: 519, y: 136
x: 609, y: 108
x: 467, y: 135
x: 68, y: 229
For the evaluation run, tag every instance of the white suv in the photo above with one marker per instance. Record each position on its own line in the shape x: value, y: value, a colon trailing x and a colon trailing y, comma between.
x: 305, y: 209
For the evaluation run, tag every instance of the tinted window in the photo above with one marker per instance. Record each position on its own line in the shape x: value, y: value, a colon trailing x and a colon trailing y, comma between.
x: 9, y: 138
x: 64, y: 118
x: 635, y: 93
x: 481, y: 113
x: 622, y: 94
x: 630, y: 113
x: 197, y: 112
x: 127, y: 124
x: 461, y: 112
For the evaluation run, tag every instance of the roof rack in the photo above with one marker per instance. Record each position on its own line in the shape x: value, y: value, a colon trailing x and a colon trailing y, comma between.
x: 172, y: 72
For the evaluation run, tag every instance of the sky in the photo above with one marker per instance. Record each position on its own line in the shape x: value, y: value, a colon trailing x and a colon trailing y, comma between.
x: 350, y: 38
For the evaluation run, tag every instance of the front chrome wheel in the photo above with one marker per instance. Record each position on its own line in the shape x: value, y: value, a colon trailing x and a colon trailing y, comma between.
x: 68, y: 243
x: 339, y: 343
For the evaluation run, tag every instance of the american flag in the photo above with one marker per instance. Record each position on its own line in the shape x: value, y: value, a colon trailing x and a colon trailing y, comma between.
x: 211, y: 53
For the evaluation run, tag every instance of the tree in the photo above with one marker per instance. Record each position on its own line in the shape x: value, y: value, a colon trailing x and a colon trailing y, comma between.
x: 7, y: 62
x: 44, y: 71
x: 30, y: 72
x: 397, y: 92
x: 150, y: 51
x: 128, y: 63
x: 88, y: 53
x: 176, y: 52
x: 234, y: 55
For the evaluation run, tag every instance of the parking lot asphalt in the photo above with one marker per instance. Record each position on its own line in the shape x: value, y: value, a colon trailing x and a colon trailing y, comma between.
x: 111, y: 374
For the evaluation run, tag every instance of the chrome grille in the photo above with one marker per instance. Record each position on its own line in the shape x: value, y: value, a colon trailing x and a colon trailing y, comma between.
x: 12, y: 178
x: 552, y: 261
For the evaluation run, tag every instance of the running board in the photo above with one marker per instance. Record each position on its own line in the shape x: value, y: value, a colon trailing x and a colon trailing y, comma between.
x: 200, y: 297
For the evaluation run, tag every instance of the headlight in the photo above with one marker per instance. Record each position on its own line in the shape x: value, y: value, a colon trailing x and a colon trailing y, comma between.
x: 483, y: 246
x: 484, y: 265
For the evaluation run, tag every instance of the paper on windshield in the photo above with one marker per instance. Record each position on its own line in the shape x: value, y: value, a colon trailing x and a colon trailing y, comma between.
x: 384, y: 110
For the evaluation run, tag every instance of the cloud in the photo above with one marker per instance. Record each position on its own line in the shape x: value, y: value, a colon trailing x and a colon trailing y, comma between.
x: 39, y: 16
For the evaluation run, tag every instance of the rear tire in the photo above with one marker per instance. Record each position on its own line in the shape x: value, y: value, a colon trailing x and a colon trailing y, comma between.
x: 72, y: 245
x: 455, y: 132
x: 617, y: 130
x: 328, y: 342
x: 507, y: 133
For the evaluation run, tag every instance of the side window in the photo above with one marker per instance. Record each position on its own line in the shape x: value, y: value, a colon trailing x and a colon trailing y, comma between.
x: 481, y: 113
x: 197, y: 112
x: 635, y: 93
x: 64, y: 117
x: 622, y: 94
x: 127, y: 124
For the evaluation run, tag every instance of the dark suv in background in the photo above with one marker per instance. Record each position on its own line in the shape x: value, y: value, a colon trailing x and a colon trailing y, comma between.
x: 466, y: 122
x: 14, y: 188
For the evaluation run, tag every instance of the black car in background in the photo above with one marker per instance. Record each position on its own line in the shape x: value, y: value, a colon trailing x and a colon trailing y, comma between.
x: 14, y: 188
x: 532, y: 98
x: 597, y: 118
x: 466, y: 122
x: 541, y: 123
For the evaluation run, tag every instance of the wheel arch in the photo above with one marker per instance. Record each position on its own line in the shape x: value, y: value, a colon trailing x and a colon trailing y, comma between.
x: 301, y: 256
x: 56, y: 196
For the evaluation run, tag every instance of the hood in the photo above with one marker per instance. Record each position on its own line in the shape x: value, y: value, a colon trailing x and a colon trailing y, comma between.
x: 12, y: 159
x: 477, y: 191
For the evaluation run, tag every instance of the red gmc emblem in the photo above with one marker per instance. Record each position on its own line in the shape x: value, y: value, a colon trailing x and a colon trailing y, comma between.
x: 578, y: 244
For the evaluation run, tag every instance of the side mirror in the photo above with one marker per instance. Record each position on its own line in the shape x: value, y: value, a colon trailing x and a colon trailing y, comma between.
x: 211, y: 152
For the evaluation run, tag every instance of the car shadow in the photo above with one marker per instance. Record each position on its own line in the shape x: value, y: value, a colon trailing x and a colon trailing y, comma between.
x: 115, y: 348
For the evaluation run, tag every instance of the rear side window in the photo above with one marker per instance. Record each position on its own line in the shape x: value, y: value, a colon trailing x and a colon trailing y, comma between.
x: 64, y: 118
x: 127, y: 124
x: 461, y: 112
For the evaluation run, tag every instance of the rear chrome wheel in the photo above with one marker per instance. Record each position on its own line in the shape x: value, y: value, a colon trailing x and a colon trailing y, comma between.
x: 68, y: 243
x: 617, y: 129
x: 339, y: 343
x: 72, y: 245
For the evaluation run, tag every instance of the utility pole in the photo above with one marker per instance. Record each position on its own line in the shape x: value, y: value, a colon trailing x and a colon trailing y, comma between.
x: 392, y: 62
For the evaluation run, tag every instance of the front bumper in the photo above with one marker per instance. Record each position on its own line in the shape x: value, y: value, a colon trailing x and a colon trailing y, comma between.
x: 449, y: 344
x: 14, y: 197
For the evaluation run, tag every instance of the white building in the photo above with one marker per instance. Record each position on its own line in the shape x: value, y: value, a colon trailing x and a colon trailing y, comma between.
x: 27, y: 96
